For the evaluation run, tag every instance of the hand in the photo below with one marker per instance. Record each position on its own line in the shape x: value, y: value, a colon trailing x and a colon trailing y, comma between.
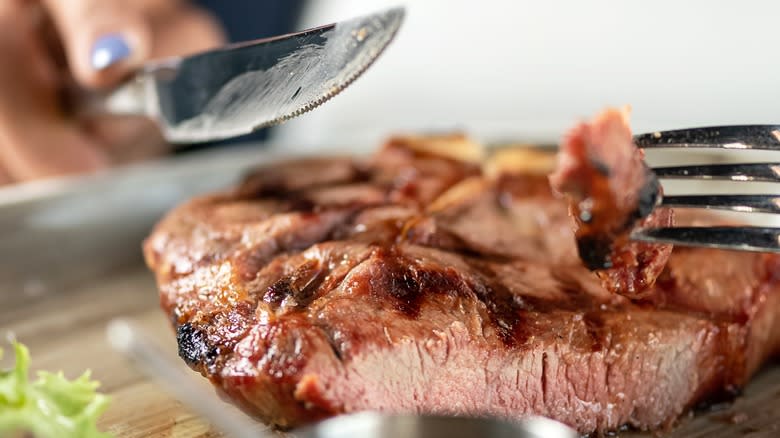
x: 50, y: 46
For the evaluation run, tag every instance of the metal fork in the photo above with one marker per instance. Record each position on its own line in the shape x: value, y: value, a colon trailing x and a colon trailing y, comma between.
x: 744, y: 238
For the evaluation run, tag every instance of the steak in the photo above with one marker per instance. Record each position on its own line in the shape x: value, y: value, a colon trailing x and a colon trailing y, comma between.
x: 427, y: 279
x: 612, y: 192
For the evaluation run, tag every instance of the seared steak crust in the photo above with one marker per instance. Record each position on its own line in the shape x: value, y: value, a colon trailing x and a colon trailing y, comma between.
x: 414, y: 282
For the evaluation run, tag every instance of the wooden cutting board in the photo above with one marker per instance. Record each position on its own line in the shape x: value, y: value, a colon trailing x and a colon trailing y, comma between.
x: 63, y: 324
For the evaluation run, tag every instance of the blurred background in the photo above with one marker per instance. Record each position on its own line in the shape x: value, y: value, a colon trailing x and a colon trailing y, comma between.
x: 528, y: 69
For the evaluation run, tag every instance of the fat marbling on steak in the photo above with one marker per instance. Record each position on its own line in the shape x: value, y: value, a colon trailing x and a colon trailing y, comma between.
x: 428, y: 280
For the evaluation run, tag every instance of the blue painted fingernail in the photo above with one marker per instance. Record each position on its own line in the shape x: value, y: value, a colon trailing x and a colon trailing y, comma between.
x: 108, y: 50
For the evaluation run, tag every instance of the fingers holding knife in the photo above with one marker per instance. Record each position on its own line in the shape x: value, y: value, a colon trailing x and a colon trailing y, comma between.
x: 94, y: 44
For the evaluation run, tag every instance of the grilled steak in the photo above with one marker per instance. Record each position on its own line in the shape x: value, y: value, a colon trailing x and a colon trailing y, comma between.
x: 417, y: 282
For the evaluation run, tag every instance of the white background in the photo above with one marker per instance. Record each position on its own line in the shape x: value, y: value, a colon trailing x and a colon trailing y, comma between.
x: 529, y: 69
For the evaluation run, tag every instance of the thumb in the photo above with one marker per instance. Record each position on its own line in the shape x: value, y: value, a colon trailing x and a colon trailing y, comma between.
x: 103, y: 39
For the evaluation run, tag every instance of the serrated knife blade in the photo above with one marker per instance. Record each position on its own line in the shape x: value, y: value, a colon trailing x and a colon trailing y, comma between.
x: 237, y: 89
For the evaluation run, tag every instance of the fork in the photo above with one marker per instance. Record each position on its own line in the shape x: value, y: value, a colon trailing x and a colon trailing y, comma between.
x: 738, y: 137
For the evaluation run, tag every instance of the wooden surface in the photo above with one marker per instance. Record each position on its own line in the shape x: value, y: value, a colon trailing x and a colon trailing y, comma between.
x: 65, y: 329
x: 64, y: 326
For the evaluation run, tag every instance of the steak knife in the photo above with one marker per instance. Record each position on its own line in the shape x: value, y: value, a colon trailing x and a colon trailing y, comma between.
x: 242, y: 87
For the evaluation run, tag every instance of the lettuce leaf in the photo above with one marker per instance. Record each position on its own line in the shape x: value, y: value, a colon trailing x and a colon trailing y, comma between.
x: 51, y: 406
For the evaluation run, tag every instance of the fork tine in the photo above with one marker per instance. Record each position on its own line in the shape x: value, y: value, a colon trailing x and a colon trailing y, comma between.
x: 764, y: 137
x: 722, y: 137
x: 740, y: 203
x: 766, y: 239
x: 769, y: 172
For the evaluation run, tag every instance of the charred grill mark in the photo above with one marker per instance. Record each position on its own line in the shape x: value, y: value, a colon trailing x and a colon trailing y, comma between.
x: 595, y: 251
x: 513, y: 315
x: 294, y: 200
x: 194, y: 347
x: 302, y: 205
x: 508, y: 312
x: 301, y: 285
x: 404, y: 287
x: 206, y: 344
x: 254, y: 187
x: 407, y: 284
x: 509, y: 319
x: 362, y: 172
x: 277, y: 292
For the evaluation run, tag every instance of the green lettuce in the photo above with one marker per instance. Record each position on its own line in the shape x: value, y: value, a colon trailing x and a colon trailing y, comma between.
x: 51, y: 406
